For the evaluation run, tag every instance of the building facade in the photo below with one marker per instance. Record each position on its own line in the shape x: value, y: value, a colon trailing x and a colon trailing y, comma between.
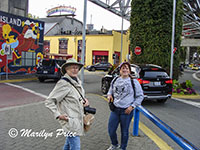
x: 100, y: 47
x: 16, y: 7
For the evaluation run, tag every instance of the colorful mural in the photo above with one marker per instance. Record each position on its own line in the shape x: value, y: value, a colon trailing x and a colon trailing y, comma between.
x: 23, y: 37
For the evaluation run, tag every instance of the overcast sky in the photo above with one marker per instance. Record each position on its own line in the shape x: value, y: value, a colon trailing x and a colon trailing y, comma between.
x: 100, y: 17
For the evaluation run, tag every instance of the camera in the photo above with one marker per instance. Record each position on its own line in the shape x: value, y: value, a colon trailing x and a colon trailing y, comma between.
x: 90, y: 110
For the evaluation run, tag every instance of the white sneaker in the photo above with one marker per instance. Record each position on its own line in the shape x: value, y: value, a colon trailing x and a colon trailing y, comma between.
x: 112, y: 147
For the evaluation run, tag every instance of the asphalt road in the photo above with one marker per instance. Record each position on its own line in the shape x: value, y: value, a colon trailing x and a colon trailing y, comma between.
x: 183, y: 118
x: 188, y: 76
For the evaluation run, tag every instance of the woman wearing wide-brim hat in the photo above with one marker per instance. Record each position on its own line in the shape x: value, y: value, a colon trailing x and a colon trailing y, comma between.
x: 67, y: 105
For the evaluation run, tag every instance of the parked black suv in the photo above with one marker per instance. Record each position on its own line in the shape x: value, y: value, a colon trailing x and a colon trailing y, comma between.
x: 106, y: 80
x: 155, y: 82
x: 99, y: 66
x: 49, y: 69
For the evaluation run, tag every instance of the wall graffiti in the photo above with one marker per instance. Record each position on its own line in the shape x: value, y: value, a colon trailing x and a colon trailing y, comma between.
x: 24, y: 37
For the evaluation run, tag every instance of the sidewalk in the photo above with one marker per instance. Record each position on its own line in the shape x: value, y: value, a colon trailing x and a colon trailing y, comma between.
x: 35, y: 117
x: 38, y: 121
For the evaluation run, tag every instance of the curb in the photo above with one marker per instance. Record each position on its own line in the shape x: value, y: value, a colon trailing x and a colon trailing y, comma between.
x: 194, y: 75
x: 17, y: 80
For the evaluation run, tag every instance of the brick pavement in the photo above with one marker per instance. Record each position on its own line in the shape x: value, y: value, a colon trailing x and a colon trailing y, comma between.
x: 12, y: 96
x: 37, y: 118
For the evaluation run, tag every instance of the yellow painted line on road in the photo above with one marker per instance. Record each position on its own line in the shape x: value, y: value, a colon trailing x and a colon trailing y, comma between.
x: 157, y: 140
x: 154, y: 137
x: 17, y: 80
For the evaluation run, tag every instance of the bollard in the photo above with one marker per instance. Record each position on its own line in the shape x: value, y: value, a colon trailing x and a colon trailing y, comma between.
x: 136, y: 122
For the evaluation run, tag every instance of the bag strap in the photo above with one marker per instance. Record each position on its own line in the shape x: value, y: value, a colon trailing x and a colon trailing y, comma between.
x: 114, y: 81
x: 113, y: 84
x: 133, y: 85
x: 66, y: 79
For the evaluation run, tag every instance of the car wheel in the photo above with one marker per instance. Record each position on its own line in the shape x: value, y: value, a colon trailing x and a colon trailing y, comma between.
x: 161, y: 100
x: 93, y: 69
x: 56, y: 80
x: 41, y: 79
x: 104, y: 87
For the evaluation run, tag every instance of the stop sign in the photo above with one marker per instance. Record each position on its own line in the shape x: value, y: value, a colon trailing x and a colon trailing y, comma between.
x: 138, y: 50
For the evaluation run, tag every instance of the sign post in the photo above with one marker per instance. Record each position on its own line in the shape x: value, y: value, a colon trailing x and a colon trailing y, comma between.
x: 172, y: 44
x: 83, y: 36
x: 137, y: 50
x: 7, y: 53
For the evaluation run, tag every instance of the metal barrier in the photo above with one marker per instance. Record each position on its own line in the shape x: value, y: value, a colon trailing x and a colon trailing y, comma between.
x: 181, y: 141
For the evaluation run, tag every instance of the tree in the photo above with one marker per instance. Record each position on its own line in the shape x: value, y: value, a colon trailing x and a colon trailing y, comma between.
x: 32, y: 16
x: 151, y: 29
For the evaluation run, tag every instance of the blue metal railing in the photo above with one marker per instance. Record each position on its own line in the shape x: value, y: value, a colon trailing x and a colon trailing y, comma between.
x: 181, y: 141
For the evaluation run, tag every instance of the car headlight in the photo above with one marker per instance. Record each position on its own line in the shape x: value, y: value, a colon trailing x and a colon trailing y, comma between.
x: 88, y: 67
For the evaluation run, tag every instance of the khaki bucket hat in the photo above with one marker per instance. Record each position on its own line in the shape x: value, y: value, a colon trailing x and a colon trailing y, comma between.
x: 70, y: 61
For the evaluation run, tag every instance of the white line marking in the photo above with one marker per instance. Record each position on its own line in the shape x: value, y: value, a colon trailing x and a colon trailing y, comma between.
x: 194, y: 75
x: 21, y: 106
x: 196, y: 104
x: 28, y: 90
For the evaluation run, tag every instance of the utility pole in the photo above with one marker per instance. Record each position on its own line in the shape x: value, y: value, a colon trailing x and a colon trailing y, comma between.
x: 172, y: 44
x: 122, y: 14
x: 83, y: 41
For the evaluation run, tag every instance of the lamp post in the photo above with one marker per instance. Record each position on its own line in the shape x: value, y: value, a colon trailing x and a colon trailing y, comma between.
x: 122, y: 14
x: 172, y: 44
x: 83, y: 41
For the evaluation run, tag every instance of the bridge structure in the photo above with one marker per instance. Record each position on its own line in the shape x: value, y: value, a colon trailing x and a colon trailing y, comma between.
x: 191, y: 18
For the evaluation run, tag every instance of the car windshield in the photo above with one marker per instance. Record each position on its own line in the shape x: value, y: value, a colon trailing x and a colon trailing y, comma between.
x: 49, y: 63
x: 154, y: 74
x: 60, y: 62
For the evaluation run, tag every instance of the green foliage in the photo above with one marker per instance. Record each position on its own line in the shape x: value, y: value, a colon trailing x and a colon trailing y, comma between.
x: 183, y: 88
x: 32, y: 16
x: 151, y: 29
x: 176, y: 84
x: 189, y: 84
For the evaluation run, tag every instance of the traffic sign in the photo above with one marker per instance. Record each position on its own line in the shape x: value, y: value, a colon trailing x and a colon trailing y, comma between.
x: 138, y: 50
x: 174, y: 49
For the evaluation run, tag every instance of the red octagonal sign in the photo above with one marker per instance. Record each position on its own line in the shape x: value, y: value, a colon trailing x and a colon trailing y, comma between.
x: 138, y: 50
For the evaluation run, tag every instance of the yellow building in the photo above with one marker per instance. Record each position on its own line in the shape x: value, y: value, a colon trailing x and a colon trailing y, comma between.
x: 99, y: 46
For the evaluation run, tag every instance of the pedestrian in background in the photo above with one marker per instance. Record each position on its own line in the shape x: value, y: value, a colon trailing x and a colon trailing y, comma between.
x: 67, y: 105
x: 121, y: 92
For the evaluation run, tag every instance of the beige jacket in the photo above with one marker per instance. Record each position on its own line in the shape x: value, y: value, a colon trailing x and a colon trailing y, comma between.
x: 64, y: 99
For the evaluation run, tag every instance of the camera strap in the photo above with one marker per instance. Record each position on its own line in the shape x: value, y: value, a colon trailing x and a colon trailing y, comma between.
x: 66, y: 79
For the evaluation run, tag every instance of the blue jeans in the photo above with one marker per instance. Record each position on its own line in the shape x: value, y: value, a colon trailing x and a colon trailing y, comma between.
x: 117, y: 117
x: 72, y: 143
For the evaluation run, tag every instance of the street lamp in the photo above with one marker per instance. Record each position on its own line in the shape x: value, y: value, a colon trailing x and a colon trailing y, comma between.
x: 83, y: 41
x: 172, y: 44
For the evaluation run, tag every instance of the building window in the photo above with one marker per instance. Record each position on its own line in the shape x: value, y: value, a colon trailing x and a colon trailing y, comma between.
x: 46, y: 49
x: 63, y: 46
x: 79, y: 52
x: 99, y: 56
x: 99, y: 59
x: 116, y: 60
x: 28, y: 59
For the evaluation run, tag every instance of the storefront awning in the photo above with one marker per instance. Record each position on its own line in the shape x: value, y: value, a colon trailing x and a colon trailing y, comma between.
x: 59, y: 56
